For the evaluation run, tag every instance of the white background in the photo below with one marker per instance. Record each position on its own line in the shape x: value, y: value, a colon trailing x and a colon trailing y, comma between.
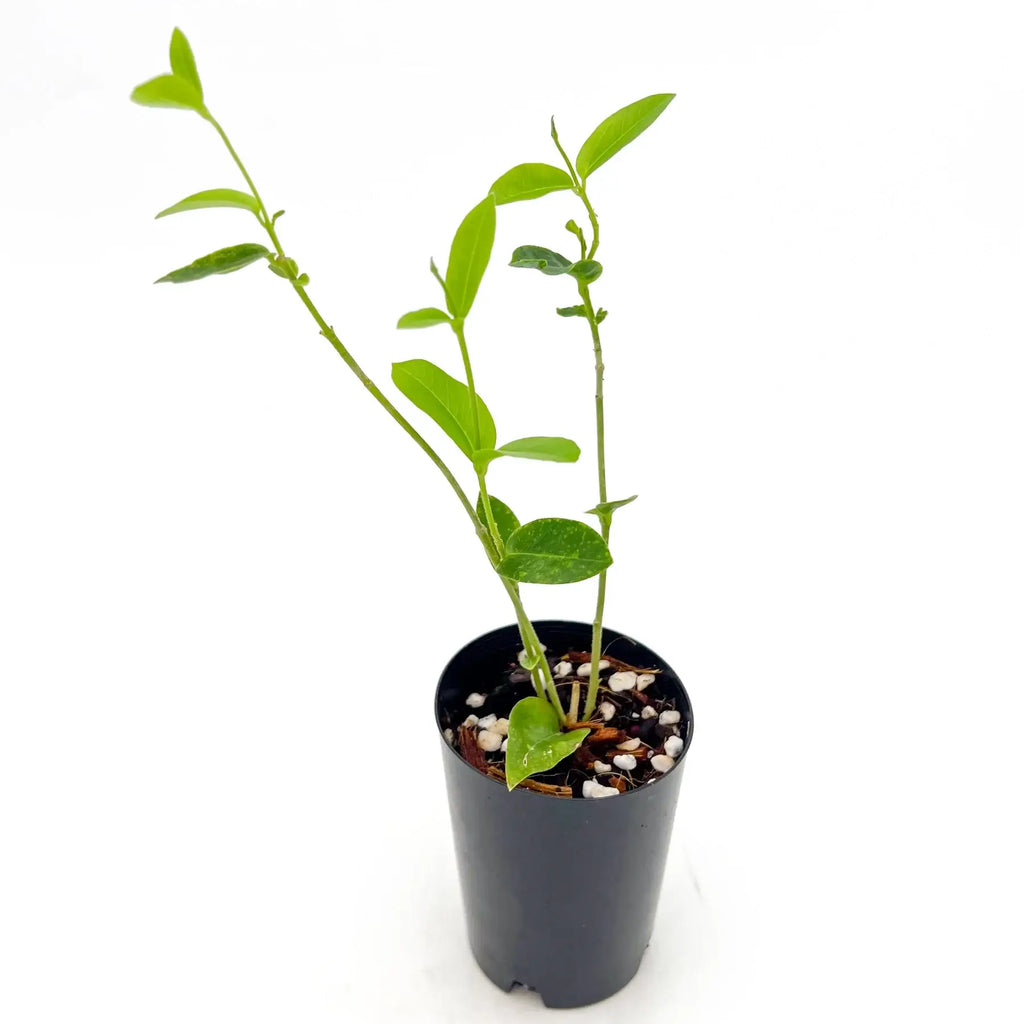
x: 228, y: 582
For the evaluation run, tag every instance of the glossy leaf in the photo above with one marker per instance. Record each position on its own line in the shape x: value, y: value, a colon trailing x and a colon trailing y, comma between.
x: 554, y: 551
x: 469, y: 256
x: 606, y: 508
x: 183, y: 63
x: 619, y: 130
x: 535, y: 741
x: 536, y: 257
x: 504, y: 518
x: 587, y: 271
x: 529, y: 181
x: 213, y: 197
x: 446, y: 401
x: 546, y: 449
x: 169, y: 91
x: 429, y: 317
x: 223, y: 261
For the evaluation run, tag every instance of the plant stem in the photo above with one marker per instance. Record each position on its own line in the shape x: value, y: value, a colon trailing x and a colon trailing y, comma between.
x: 458, y: 326
x: 531, y: 642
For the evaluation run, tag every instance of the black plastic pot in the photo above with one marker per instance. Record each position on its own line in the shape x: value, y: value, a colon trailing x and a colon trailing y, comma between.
x: 559, y: 894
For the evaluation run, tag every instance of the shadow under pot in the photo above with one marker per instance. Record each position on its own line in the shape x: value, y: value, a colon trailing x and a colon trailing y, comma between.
x: 559, y: 892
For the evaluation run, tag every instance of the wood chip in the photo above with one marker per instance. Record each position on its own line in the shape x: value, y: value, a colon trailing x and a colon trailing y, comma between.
x: 469, y: 748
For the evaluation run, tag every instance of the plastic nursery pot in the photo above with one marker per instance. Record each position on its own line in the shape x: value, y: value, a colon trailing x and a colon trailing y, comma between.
x: 559, y: 893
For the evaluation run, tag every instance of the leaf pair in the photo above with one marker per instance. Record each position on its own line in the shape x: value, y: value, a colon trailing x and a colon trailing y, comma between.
x: 547, y: 261
x: 531, y: 181
x: 182, y: 88
x: 449, y: 404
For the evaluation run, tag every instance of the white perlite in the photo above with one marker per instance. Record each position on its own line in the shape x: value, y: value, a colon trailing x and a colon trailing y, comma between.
x: 661, y: 762
x: 627, y: 762
x: 674, y: 746
x: 471, y: 721
x: 449, y: 735
x: 668, y: 717
x: 486, y: 722
x: 584, y: 669
x: 619, y: 681
x: 600, y: 767
x: 488, y: 740
x: 644, y: 680
x: 607, y: 709
x: 593, y: 790
x: 648, y: 712
x: 631, y: 744
x: 504, y: 745
x: 563, y: 668
x: 476, y: 700
x: 500, y: 727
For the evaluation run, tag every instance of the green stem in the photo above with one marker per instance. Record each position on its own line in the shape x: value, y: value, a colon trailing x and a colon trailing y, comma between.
x: 595, y: 241
x: 458, y: 326
x: 531, y: 641
x: 492, y: 525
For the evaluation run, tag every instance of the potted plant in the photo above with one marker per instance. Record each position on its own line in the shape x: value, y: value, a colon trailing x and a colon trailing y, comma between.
x: 560, y: 883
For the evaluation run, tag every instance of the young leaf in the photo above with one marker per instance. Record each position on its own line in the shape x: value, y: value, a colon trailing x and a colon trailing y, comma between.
x: 547, y: 449
x: 183, y: 64
x: 535, y: 742
x: 223, y: 261
x: 600, y: 315
x: 587, y: 271
x: 169, y: 91
x: 504, y: 518
x: 529, y: 661
x: 536, y: 257
x: 446, y: 401
x: 470, y: 253
x: 213, y: 197
x: 571, y: 311
x: 554, y: 551
x: 529, y: 181
x: 619, y: 130
x: 606, y: 508
x: 429, y: 317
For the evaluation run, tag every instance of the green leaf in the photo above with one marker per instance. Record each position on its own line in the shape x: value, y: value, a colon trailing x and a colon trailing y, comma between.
x: 535, y: 741
x: 529, y: 181
x: 446, y: 401
x: 600, y: 315
x: 429, y: 317
x: 587, y: 271
x: 504, y: 518
x: 470, y: 253
x: 223, y: 261
x: 606, y: 508
x: 529, y: 661
x: 547, y: 449
x: 213, y: 197
x: 169, y: 91
x: 619, y: 130
x: 554, y: 551
x: 536, y: 257
x: 571, y: 311
x: 183, y: 64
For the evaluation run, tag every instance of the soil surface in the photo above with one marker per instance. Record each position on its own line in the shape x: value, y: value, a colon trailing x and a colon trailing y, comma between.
x: 608, y: 737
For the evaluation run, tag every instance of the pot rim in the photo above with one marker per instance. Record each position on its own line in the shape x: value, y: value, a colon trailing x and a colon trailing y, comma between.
x: 540, y: 624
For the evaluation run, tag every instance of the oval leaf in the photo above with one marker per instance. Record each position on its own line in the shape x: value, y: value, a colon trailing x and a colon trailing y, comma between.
x: 536, y: 257
x: 470, y: 253
x: 429, y: 317
x: 554, y: 551
x: 446, y: 401
x: 547, y: 449
x: 619, y: 130
x: 504, y: 518
x: 223, y: 261
x: 169, y: 91
x: 606, y: 508
x: 211, y: 198
x: 529, y: 181
x: 535, y: 742
x: 183, y: 63
x: 571, y: 311
x: 587, y: 271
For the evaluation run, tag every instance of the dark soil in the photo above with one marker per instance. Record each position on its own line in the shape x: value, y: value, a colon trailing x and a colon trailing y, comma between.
x: 567, y: 778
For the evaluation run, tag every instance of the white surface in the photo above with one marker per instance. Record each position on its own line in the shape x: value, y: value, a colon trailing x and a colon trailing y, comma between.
x: 210, y: 561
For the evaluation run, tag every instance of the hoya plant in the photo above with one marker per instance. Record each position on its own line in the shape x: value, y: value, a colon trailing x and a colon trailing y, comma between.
x: 541, y: 730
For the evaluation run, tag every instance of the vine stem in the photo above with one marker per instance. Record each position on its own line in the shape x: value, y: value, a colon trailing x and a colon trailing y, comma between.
x: 531, y: 642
